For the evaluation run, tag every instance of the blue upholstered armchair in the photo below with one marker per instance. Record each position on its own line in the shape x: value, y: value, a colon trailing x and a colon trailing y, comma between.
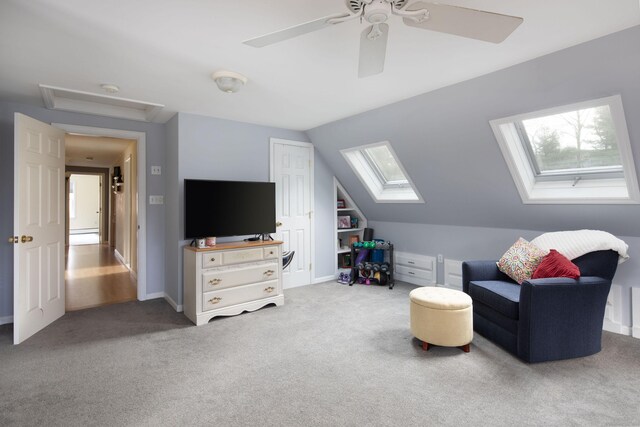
x: 542, y: 319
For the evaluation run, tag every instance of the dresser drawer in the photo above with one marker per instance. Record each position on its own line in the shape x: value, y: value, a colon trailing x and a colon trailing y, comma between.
x: 220, y: 279
x: 211, y: 259
x: 245, y: 255
x: 271, y: 252
x: 414, y: 272
x: 413, y: 260
x: 238, y: 295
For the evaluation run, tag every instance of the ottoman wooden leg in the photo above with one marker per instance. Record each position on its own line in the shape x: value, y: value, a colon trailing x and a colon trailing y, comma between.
x: 466, y: 348
x: 425, y: 346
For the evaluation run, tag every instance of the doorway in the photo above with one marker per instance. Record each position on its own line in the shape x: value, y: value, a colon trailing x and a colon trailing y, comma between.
x: 100, y: 267
x: 39, y: 212
x: 84, y: 209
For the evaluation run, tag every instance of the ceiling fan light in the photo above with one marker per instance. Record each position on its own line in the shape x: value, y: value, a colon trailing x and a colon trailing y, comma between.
x: 229, y: 81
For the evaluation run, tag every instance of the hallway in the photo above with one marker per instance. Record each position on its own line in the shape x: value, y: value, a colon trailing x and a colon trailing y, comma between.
x: 95, y: 277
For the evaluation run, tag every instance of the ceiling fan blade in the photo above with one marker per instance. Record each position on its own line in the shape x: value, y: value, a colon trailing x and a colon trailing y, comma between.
x: 461, y: 21
x: 295, y: 31
x: 373, y: 50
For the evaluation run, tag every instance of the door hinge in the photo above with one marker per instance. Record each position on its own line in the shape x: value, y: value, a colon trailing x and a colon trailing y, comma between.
x: 309, y: 266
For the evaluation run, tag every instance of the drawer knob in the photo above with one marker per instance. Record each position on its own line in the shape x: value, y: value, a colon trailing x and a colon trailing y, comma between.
x: 212, y: 259
x: 215, y: 300
x: 215, y: 281
x: 269, y: 289
x: 411, y: 262
x: 269, y: 272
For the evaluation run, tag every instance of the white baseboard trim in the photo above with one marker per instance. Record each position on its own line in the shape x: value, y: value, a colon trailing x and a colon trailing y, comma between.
x: 323, y: 279
x: 173, y: 304
x: 296, y: 286
x: 635, y: 332
x: 155, y: 295
x: 120, y: 257
x: 6, y: 319
x: 616, y: 328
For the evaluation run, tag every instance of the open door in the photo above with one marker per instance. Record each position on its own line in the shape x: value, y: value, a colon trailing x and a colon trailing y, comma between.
x: 39, y: 226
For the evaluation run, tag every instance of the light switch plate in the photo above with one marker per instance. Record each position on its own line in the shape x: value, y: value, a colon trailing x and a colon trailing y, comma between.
x: 156, y: 200
x: 156, y: 170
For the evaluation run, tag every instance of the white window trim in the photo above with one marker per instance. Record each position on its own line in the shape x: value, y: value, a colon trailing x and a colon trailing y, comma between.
x: 380, y: 192
x: 593, y: 191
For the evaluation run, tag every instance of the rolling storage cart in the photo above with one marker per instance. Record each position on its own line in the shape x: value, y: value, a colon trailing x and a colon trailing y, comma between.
x: 369, y: 267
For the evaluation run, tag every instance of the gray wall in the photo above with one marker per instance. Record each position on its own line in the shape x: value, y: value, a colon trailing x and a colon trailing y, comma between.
x: 155, y: 153
x: 478, y: 243
x: 211, y: 148
x: 324, y: 216
x: 172, y: 209
x: 444, y: 140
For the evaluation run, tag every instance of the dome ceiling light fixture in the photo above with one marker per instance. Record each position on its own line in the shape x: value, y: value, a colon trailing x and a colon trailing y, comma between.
x: 229, y: 81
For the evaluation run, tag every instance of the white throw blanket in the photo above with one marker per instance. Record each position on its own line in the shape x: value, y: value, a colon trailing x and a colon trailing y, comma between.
x: 573, y: 244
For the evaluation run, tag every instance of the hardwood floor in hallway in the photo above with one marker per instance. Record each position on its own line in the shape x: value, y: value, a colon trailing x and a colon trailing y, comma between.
x: 95, y: 277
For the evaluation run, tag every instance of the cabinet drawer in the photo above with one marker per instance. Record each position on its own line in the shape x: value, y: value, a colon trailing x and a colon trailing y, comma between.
x: 238, y: 295
x: 211, y: 259
x: 245, y: 255
x: 220, y: 279
x: 271, y: 252
x: 414, y: 272
x: 413, y: 261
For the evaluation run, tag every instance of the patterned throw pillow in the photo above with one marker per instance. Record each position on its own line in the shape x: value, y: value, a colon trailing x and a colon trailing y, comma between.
x: 556, y: 265
x: 521, y: 260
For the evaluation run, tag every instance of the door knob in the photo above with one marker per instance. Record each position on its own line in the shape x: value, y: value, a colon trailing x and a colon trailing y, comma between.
x: 13, y: 239
x: 25, y: 239
x: 278, y: 224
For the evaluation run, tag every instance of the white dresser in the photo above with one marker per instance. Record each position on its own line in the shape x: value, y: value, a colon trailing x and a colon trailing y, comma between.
x: 230, y: 278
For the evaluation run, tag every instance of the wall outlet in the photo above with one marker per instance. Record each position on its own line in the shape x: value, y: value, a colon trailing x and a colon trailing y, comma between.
x: 440, y: 258
x: 156, y: 200
x: 156, y: 170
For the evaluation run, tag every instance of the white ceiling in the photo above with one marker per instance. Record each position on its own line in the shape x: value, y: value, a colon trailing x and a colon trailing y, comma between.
x: 104, y: 151
x: 164, y: 51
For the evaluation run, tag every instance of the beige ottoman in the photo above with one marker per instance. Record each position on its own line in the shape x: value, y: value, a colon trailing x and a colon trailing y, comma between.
x: 441, y: 316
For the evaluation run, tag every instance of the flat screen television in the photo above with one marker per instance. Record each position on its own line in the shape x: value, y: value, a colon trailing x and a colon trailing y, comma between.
x: 228, y: 208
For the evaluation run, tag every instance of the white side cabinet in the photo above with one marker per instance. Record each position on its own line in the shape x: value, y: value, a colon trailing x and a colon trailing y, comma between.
x: 230, y: 278
x: 414, y: 268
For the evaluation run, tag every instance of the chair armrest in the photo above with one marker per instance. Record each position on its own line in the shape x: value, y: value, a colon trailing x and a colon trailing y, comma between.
x: 561, y: 317
x: 481, y: 270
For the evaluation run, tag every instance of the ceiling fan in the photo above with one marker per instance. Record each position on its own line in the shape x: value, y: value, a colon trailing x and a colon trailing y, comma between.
x: 461, y: 21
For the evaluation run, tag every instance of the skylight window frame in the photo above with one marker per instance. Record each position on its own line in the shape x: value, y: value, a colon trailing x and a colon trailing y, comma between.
x: 604, y: 172
x: 575, y: 186
x: 380, y: 190
x: 376, y: 168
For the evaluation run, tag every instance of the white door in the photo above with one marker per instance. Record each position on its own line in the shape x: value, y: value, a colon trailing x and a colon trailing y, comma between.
x: 291, y: 171
x: 39, y: 226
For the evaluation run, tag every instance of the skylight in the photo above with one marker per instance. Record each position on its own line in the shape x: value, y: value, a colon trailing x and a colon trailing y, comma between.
x: 577, y: 153
x: 382, y: 174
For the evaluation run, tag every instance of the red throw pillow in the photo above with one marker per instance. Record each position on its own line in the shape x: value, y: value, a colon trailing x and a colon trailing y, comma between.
x: 556, y: 265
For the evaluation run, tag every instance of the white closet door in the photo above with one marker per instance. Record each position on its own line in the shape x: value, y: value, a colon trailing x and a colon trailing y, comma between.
x: 291, y: 171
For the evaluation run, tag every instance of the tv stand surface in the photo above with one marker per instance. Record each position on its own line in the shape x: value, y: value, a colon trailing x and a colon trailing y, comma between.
x: 230, y: 278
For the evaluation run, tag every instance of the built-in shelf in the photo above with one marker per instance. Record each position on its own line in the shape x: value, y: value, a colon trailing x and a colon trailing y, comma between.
x: 342, y: 238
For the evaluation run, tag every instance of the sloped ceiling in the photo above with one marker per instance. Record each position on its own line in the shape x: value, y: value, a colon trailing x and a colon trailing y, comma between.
x: 164, y: 51
x: 444, y: 140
